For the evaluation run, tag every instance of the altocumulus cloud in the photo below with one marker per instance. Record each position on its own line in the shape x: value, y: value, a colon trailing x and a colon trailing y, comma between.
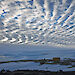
x: 47, y: 22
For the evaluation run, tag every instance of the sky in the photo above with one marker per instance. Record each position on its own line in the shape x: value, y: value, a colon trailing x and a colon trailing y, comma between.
x: 38, y: 22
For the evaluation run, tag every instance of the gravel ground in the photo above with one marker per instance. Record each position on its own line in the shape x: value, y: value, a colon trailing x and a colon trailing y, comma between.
x: 36, y: 72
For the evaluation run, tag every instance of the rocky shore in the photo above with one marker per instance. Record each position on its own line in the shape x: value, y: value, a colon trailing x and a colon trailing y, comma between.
x: 35, y: 72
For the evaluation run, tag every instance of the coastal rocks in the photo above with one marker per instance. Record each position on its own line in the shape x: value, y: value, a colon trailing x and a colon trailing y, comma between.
x: 56, y: 59
x: 37, y: 72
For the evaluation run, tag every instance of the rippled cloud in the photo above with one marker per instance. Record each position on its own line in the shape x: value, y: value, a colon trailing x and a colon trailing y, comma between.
x: 38, y: 22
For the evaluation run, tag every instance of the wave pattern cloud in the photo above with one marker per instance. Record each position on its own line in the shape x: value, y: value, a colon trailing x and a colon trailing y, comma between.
x: 37, y: 22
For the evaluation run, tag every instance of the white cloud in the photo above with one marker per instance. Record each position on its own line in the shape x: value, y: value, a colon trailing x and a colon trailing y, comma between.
x: 35, y: 23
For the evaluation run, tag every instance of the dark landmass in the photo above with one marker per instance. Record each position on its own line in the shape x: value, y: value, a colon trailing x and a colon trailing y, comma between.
x: 36, y: 72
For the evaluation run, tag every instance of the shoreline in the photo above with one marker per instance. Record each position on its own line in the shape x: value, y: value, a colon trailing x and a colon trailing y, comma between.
x: 35, y: 72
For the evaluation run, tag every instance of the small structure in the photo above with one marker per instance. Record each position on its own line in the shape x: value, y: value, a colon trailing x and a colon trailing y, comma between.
x: 56, y: 59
